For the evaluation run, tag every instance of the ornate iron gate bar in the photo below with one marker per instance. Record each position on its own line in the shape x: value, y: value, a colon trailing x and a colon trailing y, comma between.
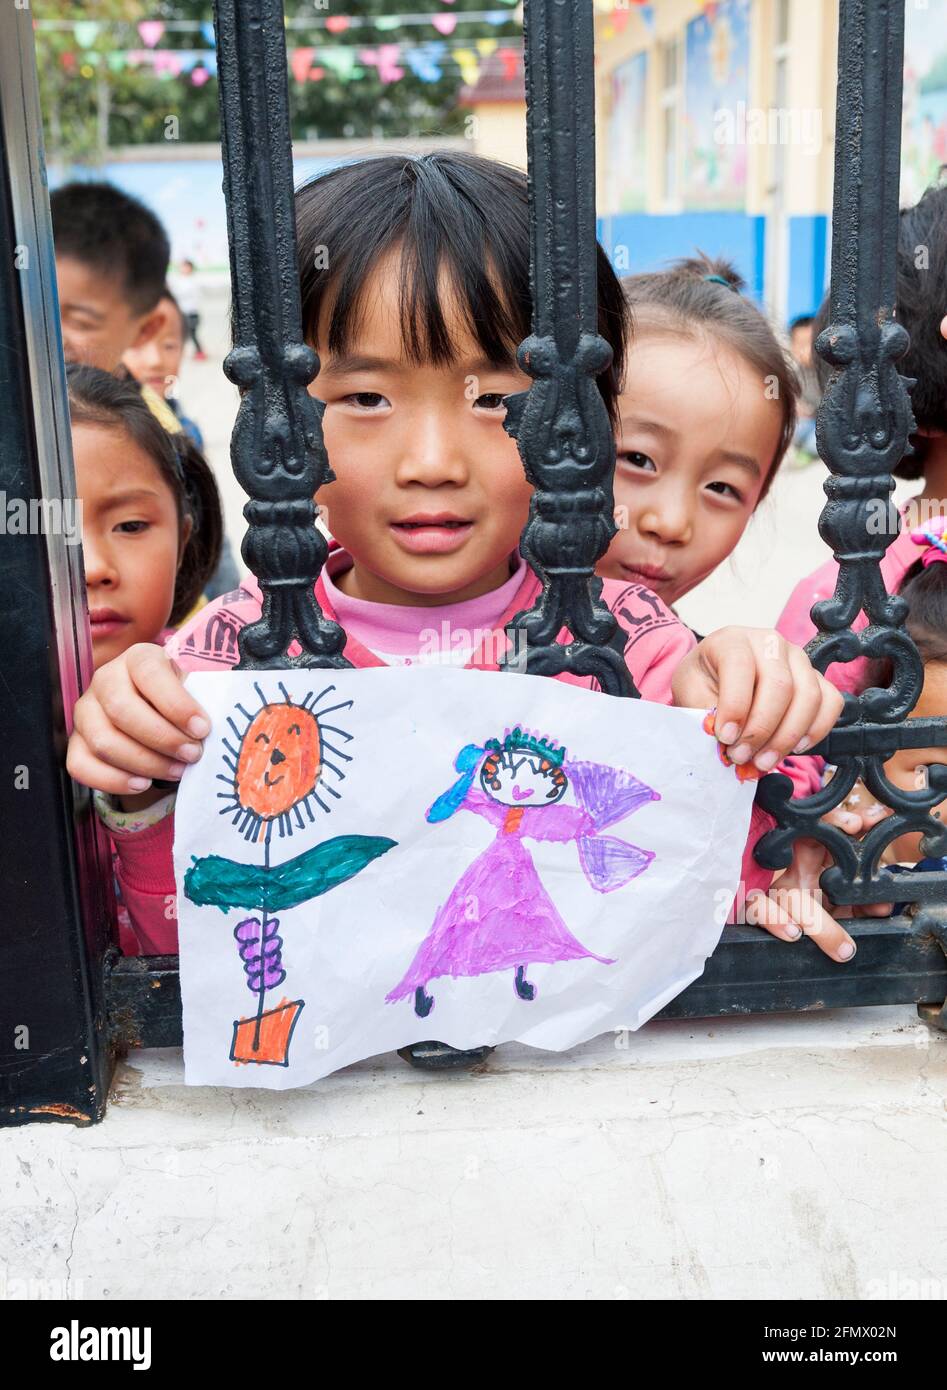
x: 862, y: 431
x: 277, y: 448
x: 560, y: 424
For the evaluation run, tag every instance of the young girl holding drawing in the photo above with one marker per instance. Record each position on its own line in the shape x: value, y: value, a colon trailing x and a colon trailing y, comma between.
x: 151, y: 532
x: 417, y: 321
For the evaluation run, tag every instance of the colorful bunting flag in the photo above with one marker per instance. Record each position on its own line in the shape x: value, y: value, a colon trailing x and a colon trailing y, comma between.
x: 199, y: 76
x: 300, y: 61
x: 207, y: 29
x: 444, y: 23
x: 150, y: 31
x: 337, y: 24
x: 511, y: 61
x: 466, y: 60
x: 86, y: 32
x: 341, y: 61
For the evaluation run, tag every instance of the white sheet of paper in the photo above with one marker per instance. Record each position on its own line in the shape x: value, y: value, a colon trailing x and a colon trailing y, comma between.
x: 521, y: 909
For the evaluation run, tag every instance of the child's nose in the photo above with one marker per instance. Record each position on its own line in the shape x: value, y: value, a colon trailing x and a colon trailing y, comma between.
x: 432, y: 453
x: 669, y: 522
x: 99, y: 568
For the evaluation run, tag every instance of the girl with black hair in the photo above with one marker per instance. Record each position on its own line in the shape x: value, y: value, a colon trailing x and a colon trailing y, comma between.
x: 151, y: 518
x: 705, y: 419
x: 415, y: 294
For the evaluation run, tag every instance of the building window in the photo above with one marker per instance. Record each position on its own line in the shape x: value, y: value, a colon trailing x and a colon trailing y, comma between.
x: 672, y: 76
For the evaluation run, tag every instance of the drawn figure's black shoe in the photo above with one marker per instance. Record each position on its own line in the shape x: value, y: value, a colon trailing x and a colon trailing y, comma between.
x: 523, y: 987
x: 423, y: 1002
x: 438, y: 1056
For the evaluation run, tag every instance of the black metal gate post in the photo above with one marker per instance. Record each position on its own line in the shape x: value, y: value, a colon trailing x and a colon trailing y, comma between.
x: 560, y: 424
x: 277, y: 449
x: 55, y: 1062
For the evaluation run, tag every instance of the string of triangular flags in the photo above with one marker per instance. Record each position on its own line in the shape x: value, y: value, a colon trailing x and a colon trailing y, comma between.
x: 349, y: 63
x: 151, y: 31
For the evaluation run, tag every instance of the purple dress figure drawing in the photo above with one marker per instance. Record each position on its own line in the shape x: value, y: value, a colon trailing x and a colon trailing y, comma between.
x: 499, y: 915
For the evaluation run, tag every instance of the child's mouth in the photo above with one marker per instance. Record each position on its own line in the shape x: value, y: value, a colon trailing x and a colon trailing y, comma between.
x: 436, y: 534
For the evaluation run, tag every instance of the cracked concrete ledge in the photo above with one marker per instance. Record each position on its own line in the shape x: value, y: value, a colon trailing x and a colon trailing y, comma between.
x: 784, y: 1157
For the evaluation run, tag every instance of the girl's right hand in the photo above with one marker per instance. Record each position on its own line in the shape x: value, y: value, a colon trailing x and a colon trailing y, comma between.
x: 134, y: 723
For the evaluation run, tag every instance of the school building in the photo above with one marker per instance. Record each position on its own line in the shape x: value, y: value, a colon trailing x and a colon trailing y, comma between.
x: 715, y: 129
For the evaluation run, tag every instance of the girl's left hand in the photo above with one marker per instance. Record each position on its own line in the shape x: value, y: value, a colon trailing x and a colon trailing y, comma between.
x: 793, y: 906
x: 770, y: 700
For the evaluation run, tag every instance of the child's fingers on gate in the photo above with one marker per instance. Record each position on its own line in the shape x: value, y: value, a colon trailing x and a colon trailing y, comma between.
x: 793, y: 730
x: 730, y: 657
x: 83, y: 766
x: 774, y: 688
x: 790, y: 914
x: 763, y: 911
x: 110, y: 746
x: 120, y: 708
x: 812, y: 713
x: 127, y: 691
x: 159, y: 679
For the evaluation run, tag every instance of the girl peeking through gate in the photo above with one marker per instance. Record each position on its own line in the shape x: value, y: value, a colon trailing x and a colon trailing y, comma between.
x: 415, y: 294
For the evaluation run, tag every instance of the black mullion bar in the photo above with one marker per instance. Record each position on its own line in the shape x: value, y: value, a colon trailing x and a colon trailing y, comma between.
x: 277, y: 449
x: 561, y: 424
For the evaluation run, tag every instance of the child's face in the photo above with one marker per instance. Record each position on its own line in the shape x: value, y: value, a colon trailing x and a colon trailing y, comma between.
x: 800, y: 342
x: 98, y: 323
x: 907, y: 768
x: 158, y: 360
x: 698, y: 437
x: 430, y: 496
x: 131, y: 539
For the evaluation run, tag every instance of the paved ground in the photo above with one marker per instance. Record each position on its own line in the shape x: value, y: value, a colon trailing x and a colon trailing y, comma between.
x: 781, y: 544
x: 779, y: 1158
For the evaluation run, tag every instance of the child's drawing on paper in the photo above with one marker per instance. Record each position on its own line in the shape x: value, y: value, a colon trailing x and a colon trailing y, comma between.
x: 276, y: 770
x: 499, y: 915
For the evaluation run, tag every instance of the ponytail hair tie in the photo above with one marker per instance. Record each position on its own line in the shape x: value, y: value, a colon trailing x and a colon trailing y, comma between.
x: 719, y: 280
x: 933, y: 535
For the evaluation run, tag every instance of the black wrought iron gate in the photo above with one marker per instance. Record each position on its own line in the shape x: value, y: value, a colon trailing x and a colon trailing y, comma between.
x: 68, y: 1001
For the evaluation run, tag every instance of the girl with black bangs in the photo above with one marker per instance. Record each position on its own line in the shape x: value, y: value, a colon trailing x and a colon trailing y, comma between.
x: 415, y: 294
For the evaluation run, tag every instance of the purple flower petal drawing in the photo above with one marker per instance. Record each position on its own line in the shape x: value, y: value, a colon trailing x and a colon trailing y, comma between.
x: 261, y: 953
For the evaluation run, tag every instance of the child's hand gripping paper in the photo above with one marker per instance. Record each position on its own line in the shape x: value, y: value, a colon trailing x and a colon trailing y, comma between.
x: 135, y: 723
x: 770, y: 702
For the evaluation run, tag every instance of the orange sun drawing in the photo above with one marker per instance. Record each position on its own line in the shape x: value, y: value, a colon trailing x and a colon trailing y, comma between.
x: 278, y: 765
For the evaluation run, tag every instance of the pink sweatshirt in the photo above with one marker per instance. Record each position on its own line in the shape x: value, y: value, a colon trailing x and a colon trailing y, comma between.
x: 796, y: 625
x: 656, y: 643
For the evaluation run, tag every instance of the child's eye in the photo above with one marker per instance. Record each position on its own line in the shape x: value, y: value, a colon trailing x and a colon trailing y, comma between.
x: 132, y: 528
x: 491, y: 400
x: 636, y: 460
x: 725, y: 490
x: 366, y: 400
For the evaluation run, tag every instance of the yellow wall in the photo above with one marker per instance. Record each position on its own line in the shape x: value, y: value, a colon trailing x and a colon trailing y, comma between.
x: 500, y: 131
x: 810, y: 88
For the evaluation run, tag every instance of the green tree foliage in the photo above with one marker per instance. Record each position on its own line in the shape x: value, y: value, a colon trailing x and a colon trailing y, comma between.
x: 91, y: 103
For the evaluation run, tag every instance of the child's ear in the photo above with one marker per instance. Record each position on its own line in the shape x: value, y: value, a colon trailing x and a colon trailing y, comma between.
x: 187, y: 526
x: 147, y: 327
